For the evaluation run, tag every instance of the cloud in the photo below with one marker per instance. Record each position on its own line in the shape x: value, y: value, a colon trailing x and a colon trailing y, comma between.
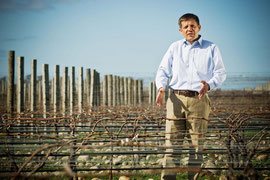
x: 8, y: 5
x: 25, y: 38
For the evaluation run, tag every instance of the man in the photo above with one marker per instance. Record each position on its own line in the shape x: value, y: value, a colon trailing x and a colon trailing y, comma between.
x: 195, y: 66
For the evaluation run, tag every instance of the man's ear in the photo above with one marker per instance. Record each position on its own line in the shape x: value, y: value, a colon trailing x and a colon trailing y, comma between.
x: 199, y: 26
x: 181, y: 31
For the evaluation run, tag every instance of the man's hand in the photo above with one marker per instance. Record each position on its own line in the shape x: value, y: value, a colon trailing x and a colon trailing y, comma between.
x: 160, y: 95
x: 205, y: 87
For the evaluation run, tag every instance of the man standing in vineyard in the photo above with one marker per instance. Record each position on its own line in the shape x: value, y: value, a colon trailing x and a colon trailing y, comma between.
x: 195, y: 66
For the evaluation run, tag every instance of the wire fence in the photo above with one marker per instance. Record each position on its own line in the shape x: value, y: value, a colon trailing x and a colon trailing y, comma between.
x: 128, y: 140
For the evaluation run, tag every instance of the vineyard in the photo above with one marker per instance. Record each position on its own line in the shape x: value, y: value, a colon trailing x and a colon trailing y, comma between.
x: 83, y: 128
x: 128, y: 140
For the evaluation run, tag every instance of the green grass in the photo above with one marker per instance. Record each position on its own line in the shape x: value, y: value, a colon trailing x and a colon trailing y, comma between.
x: 182, y: 176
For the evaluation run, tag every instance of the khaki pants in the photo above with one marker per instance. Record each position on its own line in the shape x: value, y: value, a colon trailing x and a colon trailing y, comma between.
x: 179, y: 106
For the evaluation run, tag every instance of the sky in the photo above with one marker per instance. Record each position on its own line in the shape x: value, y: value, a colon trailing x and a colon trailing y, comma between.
x: 130, y: 37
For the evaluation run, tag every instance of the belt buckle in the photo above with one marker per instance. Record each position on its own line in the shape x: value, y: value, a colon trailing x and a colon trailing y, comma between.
x: 185, y: 93
x: 190, y: 93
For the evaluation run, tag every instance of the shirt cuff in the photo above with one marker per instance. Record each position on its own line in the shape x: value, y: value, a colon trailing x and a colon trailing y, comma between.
x: 159, y: 85
x: 212, y: 84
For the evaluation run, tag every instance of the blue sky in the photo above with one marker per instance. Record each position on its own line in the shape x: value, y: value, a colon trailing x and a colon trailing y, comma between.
x: 126, y: 37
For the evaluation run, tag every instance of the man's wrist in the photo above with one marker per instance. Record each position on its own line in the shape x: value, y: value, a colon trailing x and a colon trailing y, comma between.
x: 161, y: 90
x: 206, y: 84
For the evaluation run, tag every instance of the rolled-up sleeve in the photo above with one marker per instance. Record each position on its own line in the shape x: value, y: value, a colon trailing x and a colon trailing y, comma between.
x: 219, y: 72
x: 164, y: 71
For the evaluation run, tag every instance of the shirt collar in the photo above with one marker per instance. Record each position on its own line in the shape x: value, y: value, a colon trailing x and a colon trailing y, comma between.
x: 199, y: 41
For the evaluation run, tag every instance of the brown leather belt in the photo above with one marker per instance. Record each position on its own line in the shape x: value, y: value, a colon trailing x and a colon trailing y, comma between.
x: 186, y: 93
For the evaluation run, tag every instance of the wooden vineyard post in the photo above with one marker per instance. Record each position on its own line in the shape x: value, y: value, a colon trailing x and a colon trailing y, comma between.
x: 72, y: 90
x: 135, y: 92
x: 20, y: 84
x: 64, y: 91
x: 104, y: 90
x: 3, y: 91
x: 140, y: 92
x: 56, y: 90
x: 150, y: 92
x: 154, y: 92
x: 130, y: 94
x: 45, y: 85
x: 98, y: 89
x: 110, y: 90
x: 88, y: 86
x: 122, y: 97
x: 80, y: 90
x: 126, y: 91
x: 118, y: 101
x: 93, y: 89
x: 11, y: 86
x: 114, y: 91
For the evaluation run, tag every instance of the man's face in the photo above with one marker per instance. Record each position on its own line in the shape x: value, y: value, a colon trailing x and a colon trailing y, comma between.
x: 190, y: 30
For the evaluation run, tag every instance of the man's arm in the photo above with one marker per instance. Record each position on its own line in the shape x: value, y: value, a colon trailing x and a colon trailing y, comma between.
x: 164, y: 72
x: 219, y: 72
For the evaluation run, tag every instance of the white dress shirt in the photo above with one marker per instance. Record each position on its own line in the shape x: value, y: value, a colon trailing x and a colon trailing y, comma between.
x: 188, y: 64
